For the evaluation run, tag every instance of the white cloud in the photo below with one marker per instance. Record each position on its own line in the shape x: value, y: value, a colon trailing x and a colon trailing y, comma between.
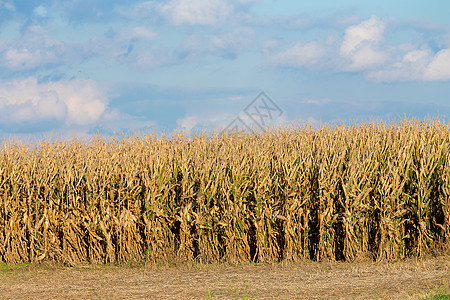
x: 416, y: 65
x: 149, y: 58
x: 360, y: 44
x: 365, y: 58
x: 358, y: 50
x: 188, y: 122
x: 317, y: 101
x: 214, y: 120
x: 439, y: 67
x: 300, y: 55
x: 38, y: 49
x: 409, y: 67
x: 197, y: 12
x: 416, y: 56
x: 363, y: 49
x: 271, y: 45
x: 34, y: 50
x: 18, y: 57
x: 74, y: 102
x: 369, y: 31
x: 84, y: 99
x: 139, y: 32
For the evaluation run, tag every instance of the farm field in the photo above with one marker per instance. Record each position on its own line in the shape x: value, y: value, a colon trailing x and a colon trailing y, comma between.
x: 342, y: 211
x: 408, y: 279
x: 293, y: 193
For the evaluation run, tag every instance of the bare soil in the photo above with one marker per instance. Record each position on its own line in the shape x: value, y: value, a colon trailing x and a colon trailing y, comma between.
x: 306, y: 280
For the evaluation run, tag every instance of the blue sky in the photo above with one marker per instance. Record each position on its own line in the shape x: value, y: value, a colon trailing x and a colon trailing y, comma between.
x: 79, y: 67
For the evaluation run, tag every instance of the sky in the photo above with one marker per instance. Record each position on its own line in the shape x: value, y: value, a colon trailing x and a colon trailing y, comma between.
x: 79, y: 67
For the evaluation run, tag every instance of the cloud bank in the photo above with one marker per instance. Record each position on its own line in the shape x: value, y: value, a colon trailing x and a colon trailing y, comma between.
x: 67, y: 103
x: 363, y: 48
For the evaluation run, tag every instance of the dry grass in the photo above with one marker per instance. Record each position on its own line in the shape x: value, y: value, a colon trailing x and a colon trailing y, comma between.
x: 293, y: 194
x: 408, y: 279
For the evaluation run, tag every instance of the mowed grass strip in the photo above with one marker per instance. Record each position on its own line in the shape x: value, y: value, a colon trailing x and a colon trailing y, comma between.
x: 291, y: 193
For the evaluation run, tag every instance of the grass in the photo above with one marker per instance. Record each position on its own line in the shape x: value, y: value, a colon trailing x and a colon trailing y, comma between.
x: 8, y: 268
x: 233, y: 293
x: 440, y: 293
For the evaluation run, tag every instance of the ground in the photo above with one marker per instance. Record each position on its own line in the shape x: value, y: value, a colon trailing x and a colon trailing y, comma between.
x: 305, y: 280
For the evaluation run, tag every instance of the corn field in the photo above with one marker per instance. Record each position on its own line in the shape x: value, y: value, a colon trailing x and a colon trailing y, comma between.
x: 291, y: 193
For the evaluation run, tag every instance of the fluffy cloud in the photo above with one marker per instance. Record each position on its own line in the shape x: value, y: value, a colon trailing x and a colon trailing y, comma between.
x: 367, y: 32
x: 360, y: 44
x: 358, y: 50
x: 416, y: 65
x: 366, y: 58
x: 363, y: 49
x: 75, y: 102
x: 439, y: 67
x: 197, y: 12
x: 410, y: 66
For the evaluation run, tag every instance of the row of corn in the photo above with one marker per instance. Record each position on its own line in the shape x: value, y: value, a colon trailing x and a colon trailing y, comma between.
x: 291, y: 193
